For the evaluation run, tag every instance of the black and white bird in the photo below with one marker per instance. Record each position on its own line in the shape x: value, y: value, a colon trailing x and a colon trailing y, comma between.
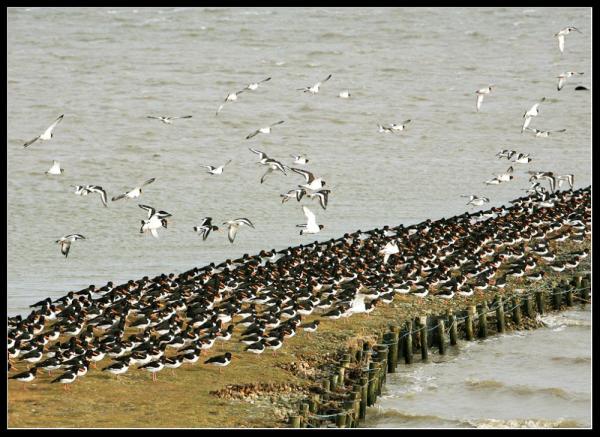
x: 65, y: 242
x: 167, y: 120
x: 390, y: 249
x: 234, y: 226
x: 480, y: 94
x: 84, y: 190
x: 220, y: 360
x: 300, y: 159
x: 476, y: 200
x: 315, y: 88
x: 27, y: 376
x: 156, y: 220
x: 545, y: 175
x: 394, y: 127
x: 312, y: 183
x: 505, y: 153
x: 522, y: 158
x: 273, y: 165
x: 48, y: 133
x: 55, y: 169
x: 568, y: 178
x: 254, y: 86
x: 264, y: 130
x: 134, y: 193
x: 507, y: 175
x: 532, y: 112
x: 231, y: 97
x: 561, y: 36
x: 544, y: 133
x: 322, y: 195
x: 298, y: 193
x: 562, y: 78
x: 205, y: 227
x: 216, y: 170
x: 66, y: 378
x: 154, y: 367
x: 345, y: 94
x: 311, y: 226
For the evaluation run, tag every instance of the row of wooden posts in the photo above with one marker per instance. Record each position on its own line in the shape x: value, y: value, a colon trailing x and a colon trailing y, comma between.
x: 344, y: 397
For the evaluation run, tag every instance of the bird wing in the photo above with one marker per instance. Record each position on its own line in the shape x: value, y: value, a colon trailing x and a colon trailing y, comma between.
x: 326, y: 79
x: 219, y: 110
x: 154, y: 116
x: 120, y: 196
x: 154, y: 233
x: 232, y: 231
x: 269, y: 170
x: 279, y: 122
x: 149, y: 181
x: 99, y: 190
x: 184, y: 116
x: 30, y: 142
x: 561, y: 82
x: 561, y: 42
x: 253, y: 134
x: 150, y: 210
x: 479, y: 100
x: 258, y: 152
x: 311, y: 219
x: 65, y: 245
x: 205, y: 231
x: 307, y: 175
x: 265, y: 80
x: 244, y: 221
x: 52, y: 126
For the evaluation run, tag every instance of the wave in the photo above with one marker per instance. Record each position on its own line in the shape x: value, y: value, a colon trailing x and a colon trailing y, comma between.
x: 521, y: 390
x: 524, y: 423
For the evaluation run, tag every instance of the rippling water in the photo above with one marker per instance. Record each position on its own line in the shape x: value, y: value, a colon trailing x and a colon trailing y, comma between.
x: 529, y: 379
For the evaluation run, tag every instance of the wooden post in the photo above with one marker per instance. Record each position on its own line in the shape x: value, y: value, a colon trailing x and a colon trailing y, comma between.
x: 557, y: 297
x: 393, y: 349
x: 578, y: 279
x: 364, y: 382
x: 483, y: 320
x: 529, y: 311
x: 469, y: 323
x: 408, y: 348
x: 341, y: 375
x: 400, y: 343
x: 516, y: 312
x: 585, y: 292
x: 326, y: 384
x: 453, y: 329
x: 371, y: 387
x: 567, y: 286
x: 539, y: 299
x: 340, y: 420
x: 334, y: 381
x: 294, y: 421
x: 500, y: 321
x: 441, y: 336
x: 423, y: 334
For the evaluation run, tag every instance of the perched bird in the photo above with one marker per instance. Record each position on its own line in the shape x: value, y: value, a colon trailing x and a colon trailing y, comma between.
x: 562, y: 78
x: 234, y: 226
x: 167, y: 120
x: 264, y: 130
x: 65, y: 242
x: 480, y: 94
x: 532, y: 112
x: 390, y: 249
x: 315, y: 88
x: 254, y: 86
x: 345, y: 94
x: 220, y: 360
x: 561, y: 36
x: 231, y: 97
x: 216, y: 170
x: 134, y: 193
x: 205, y: 227
x: 48, y: 133
x: 66, y: 378
x: 27, y: 376
x: 311, y: 226
x: 544, y: 133
x: 55, y: 169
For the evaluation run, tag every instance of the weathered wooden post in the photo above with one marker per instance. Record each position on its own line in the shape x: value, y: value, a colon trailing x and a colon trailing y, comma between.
x: 500, y: 321
x: 294, y: 421
x: 529, y: 311
x: 341, y: 375
x: 483, y: 320
x: 453, y: 328
x: 364, y: 382
x: 393, y: 349
x: 516, y: 312
x: 408, y: 348
x: 539, y: 299
x: 371, y: 386
x: 423, y: 334
x: 568, y: 286
x: 585, y: 290
x: 441, y: 336
x: 469, y: 323
x: 340, y: 419
x: 557, y: 297
x: 326, y: 384
x: 333, y: 381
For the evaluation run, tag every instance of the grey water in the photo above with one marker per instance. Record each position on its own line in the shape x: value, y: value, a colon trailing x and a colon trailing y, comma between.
x: 527, y: 379
x: 107, y: 69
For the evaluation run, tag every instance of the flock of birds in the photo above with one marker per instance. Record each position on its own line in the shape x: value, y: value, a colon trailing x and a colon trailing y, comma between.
x: 257, y: 302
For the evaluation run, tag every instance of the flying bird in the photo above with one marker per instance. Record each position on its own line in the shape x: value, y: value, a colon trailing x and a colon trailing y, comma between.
x: 216, y: 170
x: 84, y: 190
x: 65, y: 242
x: 167, y: 120
x: 315, y: 88
x: 205, y: 227
x: 55, y: 169
x: 48, y: 133
x: 298, y: 193
x: 476, y: 200
x: 344, y: 94
x: 544, y: 133
x: 562, y: 78
x: 135, y: 193
x: 561, y: 36
x: 234, y: 226
x: 231, y: 97
x: 480, y: 94
x: 311, y: 226
x: 393, y: 127
x: 300, y: 159
x: 322, y: 195
x: 263, y: 130
x: 532, y: 112
x: 254, y: 86
x: 312, y: 183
